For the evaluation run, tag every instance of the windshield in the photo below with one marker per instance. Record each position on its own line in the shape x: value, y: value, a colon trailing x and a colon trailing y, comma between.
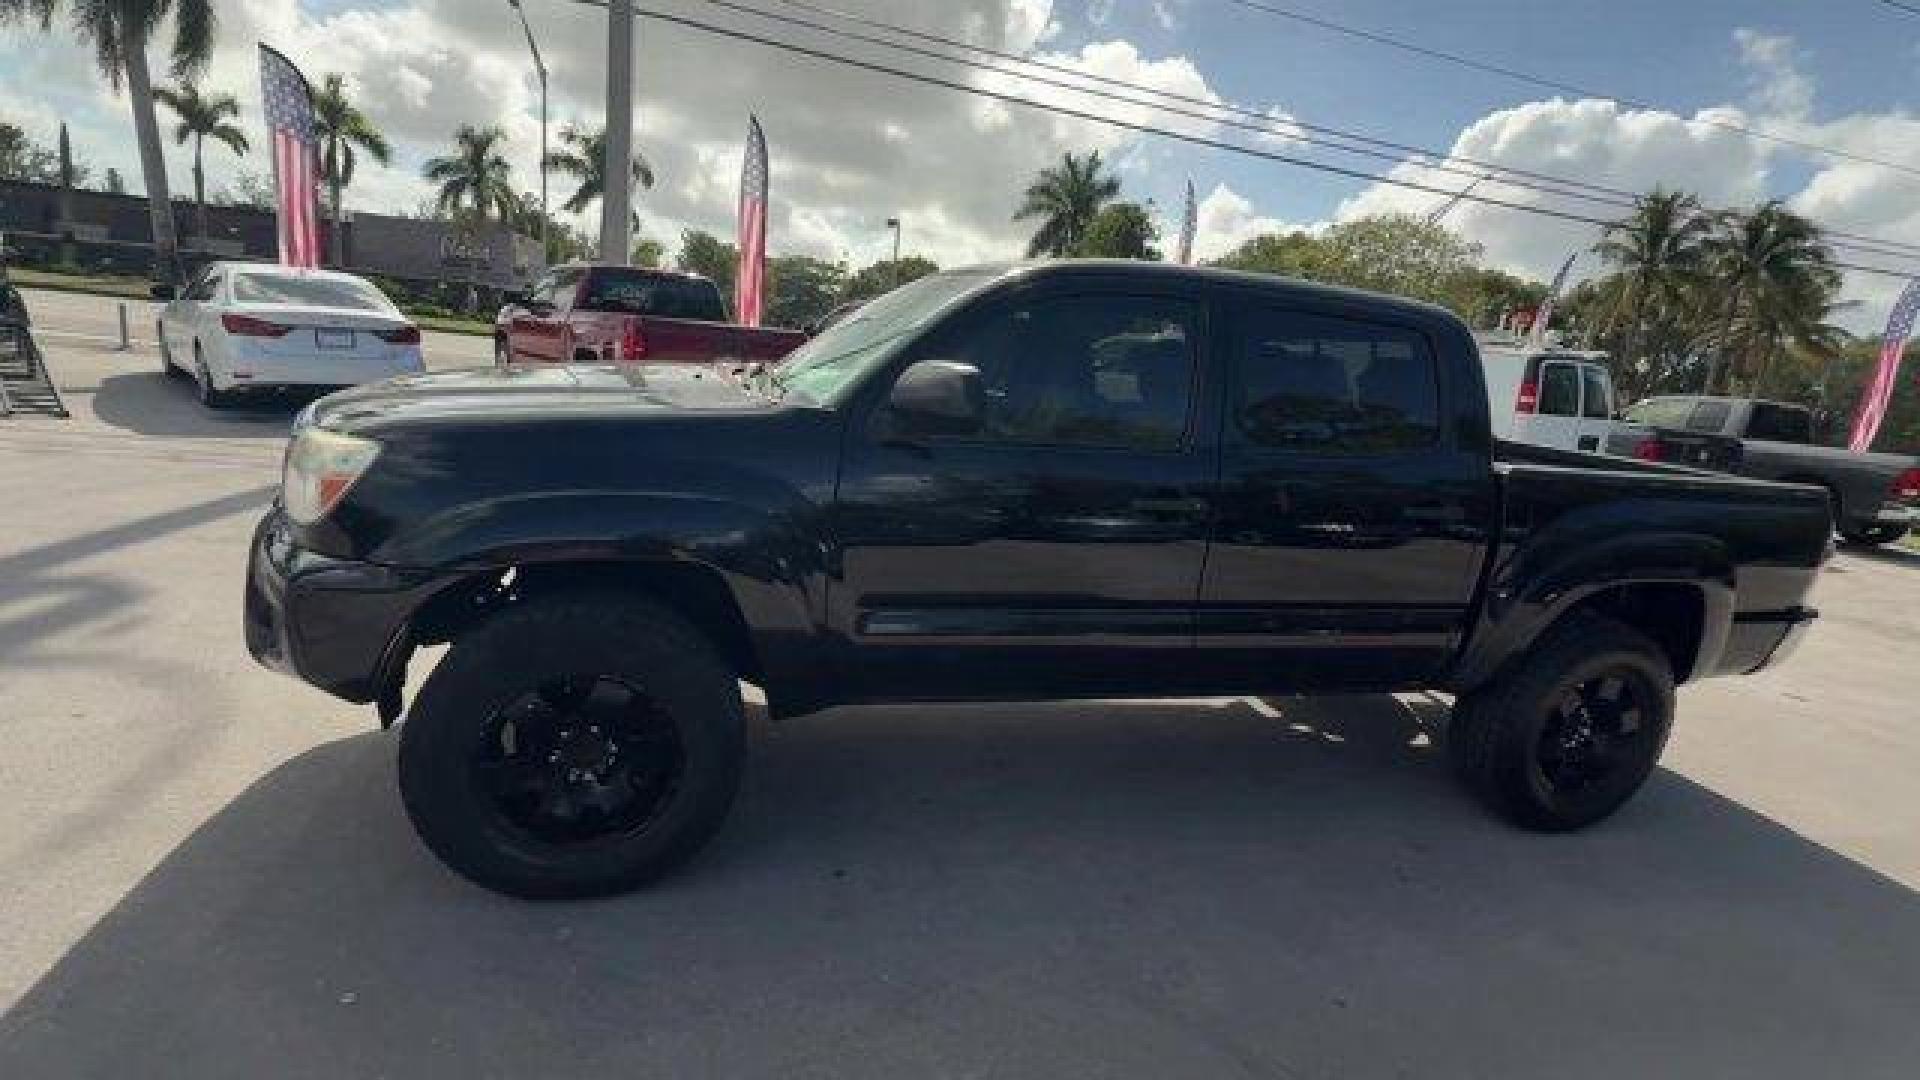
x: 308, y: 292
x: 667, y: 296
x: 823, y: 370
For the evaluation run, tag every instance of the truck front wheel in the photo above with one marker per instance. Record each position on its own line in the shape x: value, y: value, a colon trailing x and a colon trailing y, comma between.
x: 573, y: 746
x: 1571, y: 729
x: 1872, y: 533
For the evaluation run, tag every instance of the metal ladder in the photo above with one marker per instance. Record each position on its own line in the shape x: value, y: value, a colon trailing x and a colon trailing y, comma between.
x: 25, y: 386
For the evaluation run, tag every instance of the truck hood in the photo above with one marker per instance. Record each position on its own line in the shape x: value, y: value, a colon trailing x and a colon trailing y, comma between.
x: 520, y: 391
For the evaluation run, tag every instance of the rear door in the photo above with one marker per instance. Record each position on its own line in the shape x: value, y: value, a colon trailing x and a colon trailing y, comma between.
x: 1596, y: 409
x: 1346, y: 537
x: 522, y: 319
x: 1556, y: 419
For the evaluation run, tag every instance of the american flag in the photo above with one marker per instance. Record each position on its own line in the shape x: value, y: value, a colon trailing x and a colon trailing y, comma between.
x: 1539, y: 331
x: 750, y: 280
x: 1893, y: 344
x: 1189, y: 220
x: 289, y: 110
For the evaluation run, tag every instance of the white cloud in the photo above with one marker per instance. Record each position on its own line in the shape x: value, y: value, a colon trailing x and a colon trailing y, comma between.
x: 1780, y: 88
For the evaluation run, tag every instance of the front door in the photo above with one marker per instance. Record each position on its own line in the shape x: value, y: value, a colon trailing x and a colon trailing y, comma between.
x: 1053, y: 545
x: 1346, y: 539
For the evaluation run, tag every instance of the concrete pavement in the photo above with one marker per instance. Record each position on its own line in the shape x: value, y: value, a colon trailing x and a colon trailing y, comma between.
x: 206, y: 872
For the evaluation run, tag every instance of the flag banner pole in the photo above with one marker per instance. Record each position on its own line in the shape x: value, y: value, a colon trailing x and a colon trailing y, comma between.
x: 749, y: 281
x: 1189, y: 220
x: 1886, y: 374
x: 287, y: 102
x: 1538, y: 334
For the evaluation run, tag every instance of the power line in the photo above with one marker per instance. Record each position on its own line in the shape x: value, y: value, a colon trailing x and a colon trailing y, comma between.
x: 1491, y: 68
x: 1129, y: 125
x: 1270, y: 124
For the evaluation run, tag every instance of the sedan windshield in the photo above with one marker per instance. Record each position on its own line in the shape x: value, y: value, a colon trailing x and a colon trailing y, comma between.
x: 293, y: 291
x: 827, y: 368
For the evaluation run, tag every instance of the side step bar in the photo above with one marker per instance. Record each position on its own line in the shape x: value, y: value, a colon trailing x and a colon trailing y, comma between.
x: 25, y: 386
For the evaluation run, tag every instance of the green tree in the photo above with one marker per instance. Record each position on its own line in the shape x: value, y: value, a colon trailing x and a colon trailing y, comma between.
x: 475, y: 176
x: 649, y: 252
x: 712, y: 258
x: 1397, y: 253
x: 1294, y: 254
x: 1065, y: 199
x: 1658, y: 252
x: 583, y: 156
x: 1120, y: 230
x: 201, y: 118
x: 1774, y: 274
x: 800, y: 289
x: 119, y: 31
x: 884, y: 276
x: 24, y: 160
x: 341, y: 127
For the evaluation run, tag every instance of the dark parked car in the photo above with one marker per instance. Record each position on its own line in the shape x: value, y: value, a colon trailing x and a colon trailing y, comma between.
x: 592, y: 313
x: 1876, y: 497
x: 1014, y: 482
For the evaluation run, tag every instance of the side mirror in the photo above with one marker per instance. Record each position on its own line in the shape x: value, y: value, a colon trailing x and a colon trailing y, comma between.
x: 937, y: 396
x: 161, y: 290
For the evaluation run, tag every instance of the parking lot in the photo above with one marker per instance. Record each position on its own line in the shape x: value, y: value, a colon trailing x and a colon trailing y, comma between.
x: 207, y: 871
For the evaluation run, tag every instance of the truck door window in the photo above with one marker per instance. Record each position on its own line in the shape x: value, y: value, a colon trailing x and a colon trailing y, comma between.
x: 1112, y: 371
x: 1780, y: 423
x: 1333, y: 386
x: 1559, y: 390
x: 1597, y: 401
x: 1709, y: 416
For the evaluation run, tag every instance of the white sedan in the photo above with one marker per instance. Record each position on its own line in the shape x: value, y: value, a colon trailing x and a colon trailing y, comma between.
x: 254, y: 328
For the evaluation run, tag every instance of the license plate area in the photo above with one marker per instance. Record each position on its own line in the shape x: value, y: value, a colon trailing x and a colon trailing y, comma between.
x: 330, y: 338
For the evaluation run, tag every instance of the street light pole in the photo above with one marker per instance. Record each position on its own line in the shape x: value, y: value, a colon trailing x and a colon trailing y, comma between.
x: 540, y: 68
x: 615, y: 201
x: 893, y: 268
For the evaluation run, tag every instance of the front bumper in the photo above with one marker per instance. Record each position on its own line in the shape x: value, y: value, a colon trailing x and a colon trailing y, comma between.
x: 336, y: 623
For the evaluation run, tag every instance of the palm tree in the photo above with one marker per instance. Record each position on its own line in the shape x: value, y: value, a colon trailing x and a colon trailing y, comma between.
x: 585, y: 159
x: 340, y: 126
x: 119, y: 31
x: 202, y: 118
x: 1774, y: 267
x: 1065, y: 198
x: 1658, y: 250
x: 476, y: 174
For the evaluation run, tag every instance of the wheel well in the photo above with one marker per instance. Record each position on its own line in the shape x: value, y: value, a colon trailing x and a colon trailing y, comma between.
x: 1673, y: 614
x: 585, y: 355
x: 695, y: 593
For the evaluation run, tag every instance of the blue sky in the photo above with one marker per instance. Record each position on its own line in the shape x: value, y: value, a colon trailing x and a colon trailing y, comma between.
x: 852, y: 148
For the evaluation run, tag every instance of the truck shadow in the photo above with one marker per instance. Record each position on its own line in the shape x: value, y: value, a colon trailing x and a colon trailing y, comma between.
x: 1174, y: 889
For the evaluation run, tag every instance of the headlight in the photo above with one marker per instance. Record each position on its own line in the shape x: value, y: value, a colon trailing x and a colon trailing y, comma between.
x: 321, y: 467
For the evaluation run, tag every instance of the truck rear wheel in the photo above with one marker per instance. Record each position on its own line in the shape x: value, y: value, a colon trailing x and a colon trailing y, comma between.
x: 573, y: 746
x: 1571, y: 730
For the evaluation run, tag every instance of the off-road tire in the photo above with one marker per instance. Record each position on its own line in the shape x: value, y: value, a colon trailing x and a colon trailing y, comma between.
x: 1494, y: 738
x: 565, y: 636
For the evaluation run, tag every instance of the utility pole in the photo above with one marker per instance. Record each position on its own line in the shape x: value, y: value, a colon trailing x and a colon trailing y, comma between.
x: 616, y: 201
x: 540, y: 68
x: 893, y: 268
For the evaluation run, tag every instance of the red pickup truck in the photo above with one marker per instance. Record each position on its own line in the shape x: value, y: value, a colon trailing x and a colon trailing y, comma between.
x: 588, y: 313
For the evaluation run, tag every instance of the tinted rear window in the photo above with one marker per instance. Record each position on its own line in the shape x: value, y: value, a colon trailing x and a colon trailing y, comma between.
x: 1559, y: 390
x: 1597, y: 402
x: 669, y: 296
x: 1661, y: 412
x: 1780, y: 423
x: 307, y: 292
x: 1709, y: 416
x: 1326, y: 385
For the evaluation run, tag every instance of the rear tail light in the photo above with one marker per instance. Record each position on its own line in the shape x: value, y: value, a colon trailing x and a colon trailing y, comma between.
x: 321, y: 466
x: 248, y: 326
x: 1906, y: 487
x: 1649, y: 450
x: 633, y: 344
x: 400, y: 335
x: 1528, y: 400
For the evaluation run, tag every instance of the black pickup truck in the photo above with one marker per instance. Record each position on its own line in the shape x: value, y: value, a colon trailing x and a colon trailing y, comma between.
x: 1080, y: 479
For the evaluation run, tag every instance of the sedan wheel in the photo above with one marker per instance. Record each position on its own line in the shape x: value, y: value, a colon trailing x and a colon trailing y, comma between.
x: 210, y: 395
